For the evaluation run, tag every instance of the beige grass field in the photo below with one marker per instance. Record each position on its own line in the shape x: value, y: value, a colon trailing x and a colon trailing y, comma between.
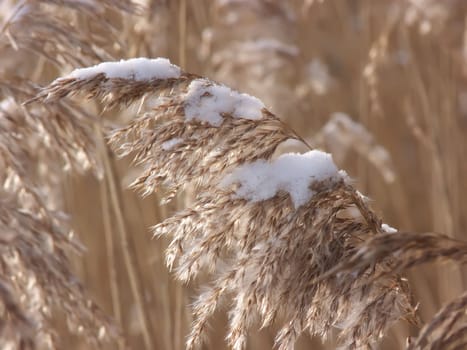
x: 379, y: 84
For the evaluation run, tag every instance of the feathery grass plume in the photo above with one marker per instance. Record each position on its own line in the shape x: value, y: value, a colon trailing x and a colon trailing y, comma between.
x: 187, y: 112
x: 401, y: 251
x: 446, y: 331
x: 35, y: 234
x: 17, y: 327
x: 60, y: 131
x: 52, y: 29
x: 267, y: 230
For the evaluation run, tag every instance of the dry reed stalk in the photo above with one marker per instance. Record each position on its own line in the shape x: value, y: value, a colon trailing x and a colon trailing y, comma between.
x: 433, y: 56
x: 446, y: 331
x: 129, y: 252
x: 276, y: 259
x: 38, y: 143
x: 31, y: 27
x: 111, y: 257
x: 63, y: 40
x: 36, y: 235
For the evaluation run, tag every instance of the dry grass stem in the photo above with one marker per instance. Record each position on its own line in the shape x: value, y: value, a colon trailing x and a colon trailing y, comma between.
x: 35, y: 234
x: 447, y: 330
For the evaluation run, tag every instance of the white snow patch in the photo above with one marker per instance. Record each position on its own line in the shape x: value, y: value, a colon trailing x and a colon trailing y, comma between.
x: 388, y: 229
x: 206, y: 101
x: 291, y: 172
x: 135, y: 68
x: 168, y: 145
x: 8, y: 105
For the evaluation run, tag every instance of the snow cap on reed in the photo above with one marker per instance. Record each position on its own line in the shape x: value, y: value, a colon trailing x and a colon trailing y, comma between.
x: 292, y: 172
x: 208, y: 102
x: 140, y: 68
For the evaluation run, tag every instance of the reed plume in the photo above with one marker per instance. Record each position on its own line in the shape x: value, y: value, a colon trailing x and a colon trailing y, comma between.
x: 285, y: 238
x: 447, y: 329
x: 37, y: 281
x: 37, y: 144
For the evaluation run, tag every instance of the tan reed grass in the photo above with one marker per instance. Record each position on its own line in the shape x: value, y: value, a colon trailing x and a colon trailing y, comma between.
x: 277, y: 261
x: 412, y: 104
